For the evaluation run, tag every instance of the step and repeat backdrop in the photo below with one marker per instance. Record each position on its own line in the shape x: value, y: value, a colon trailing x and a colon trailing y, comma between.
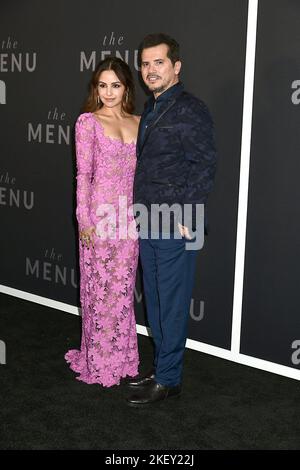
x: 48, y: 51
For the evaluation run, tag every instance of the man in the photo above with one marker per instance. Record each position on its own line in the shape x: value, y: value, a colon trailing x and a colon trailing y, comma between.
x: 176, y: 162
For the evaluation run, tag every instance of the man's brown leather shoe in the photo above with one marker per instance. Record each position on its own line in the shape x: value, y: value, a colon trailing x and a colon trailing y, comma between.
x: 153, y: 393
x: 142, y: 380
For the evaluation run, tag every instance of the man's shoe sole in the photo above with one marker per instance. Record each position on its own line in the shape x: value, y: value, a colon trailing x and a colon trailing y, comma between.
x: 138, y: 405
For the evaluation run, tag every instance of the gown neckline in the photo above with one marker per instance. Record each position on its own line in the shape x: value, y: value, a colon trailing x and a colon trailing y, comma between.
x: 113, y: 139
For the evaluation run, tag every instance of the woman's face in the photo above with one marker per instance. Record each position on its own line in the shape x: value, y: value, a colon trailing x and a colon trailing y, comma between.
x: 110, y: 89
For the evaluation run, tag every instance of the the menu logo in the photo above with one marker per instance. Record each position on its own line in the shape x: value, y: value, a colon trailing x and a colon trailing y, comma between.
x: 112, y: 44
x: 197, y: 309
x: 50, y: 268
x: 53, y: 131
x: 14, y: 60
x: 12, y: 196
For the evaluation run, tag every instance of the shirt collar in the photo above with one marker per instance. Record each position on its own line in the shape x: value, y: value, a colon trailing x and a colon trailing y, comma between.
x: 166, y: 95
x: 169, y: 93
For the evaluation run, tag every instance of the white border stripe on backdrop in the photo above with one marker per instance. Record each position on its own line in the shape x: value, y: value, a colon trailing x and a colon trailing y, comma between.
x: 233, y: 354
x: 244, y: 177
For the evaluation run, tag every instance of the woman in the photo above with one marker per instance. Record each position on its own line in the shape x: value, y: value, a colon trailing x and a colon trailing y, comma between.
x: 105, y: 137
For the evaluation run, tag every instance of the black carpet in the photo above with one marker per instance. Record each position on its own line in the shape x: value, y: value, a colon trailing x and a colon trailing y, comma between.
x: 223, y: 406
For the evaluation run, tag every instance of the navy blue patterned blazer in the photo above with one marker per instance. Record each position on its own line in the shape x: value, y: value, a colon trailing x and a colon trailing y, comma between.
x: 176, y: 161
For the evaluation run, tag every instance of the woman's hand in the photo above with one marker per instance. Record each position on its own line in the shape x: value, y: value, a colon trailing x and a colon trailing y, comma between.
x: 87, y: 237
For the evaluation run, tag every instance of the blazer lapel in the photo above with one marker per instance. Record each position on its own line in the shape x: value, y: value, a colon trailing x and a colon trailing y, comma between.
x: 139, y: 140
x: 152, y: 125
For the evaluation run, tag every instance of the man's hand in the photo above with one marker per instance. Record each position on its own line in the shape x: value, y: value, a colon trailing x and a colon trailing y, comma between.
x: 184, y: 231
x: 86, y: 236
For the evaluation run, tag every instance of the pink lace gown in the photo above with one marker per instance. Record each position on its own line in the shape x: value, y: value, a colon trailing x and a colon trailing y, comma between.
x: 105, y: 171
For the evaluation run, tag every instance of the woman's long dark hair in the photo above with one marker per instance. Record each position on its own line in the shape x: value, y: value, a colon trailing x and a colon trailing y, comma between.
x: 123, y: 73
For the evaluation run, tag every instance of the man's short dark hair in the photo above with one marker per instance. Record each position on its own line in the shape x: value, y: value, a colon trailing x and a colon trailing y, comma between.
x: 155, y: 39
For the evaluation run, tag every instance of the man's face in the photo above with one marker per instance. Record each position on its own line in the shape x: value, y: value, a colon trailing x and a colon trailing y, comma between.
x: 158, y: 72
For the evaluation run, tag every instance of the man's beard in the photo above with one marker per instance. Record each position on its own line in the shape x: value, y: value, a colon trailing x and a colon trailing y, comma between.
x: 158, y: 89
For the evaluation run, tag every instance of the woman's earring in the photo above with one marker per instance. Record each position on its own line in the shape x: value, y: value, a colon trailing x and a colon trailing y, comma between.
x: 126, y: 96
x: 98, y: 99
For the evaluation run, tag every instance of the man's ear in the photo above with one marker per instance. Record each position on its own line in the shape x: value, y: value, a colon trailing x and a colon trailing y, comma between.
x: 177, y: 67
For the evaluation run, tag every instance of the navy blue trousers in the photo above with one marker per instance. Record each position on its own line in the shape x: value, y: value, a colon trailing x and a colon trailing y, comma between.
x: 168, y: 278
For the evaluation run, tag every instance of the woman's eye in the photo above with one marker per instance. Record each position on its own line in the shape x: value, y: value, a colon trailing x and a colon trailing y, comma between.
x: 101, y: 85
x: 116, y: 86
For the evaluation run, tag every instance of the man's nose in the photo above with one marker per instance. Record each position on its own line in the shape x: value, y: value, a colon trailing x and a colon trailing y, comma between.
x: 152, y: 68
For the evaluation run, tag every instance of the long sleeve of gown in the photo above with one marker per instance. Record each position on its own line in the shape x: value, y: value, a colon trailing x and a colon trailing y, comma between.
x: 84, y: 140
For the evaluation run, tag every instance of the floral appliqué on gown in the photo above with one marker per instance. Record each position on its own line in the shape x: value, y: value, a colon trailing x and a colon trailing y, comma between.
x: 105, y: 171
